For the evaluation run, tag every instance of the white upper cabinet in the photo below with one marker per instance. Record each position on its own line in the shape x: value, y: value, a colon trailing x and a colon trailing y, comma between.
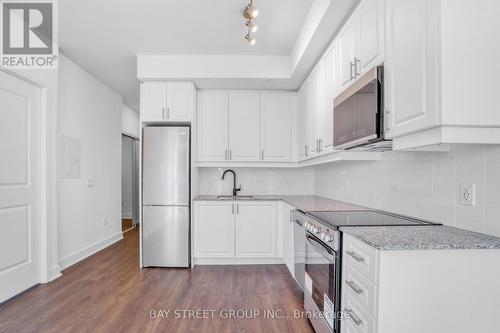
x: 153, y: 101
x: 244, y: 126
x: 361, y: 42
x: 347, y: 52
x: 371, y: 35
x: 276, y: 127
x: 327, y: 93
x: 180, y: 101
x: 302, y: 112
x: 212, y: 126
x: 167, y: 101
x: 410, y: 74
x: 313, y: 111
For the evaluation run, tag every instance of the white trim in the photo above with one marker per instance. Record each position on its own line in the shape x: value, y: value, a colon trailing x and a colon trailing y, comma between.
x: 54, y: 273
x: 89, y: 250
x: 238, y: 261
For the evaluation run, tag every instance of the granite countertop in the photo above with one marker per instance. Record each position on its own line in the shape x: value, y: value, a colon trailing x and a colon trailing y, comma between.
x: 384, y: 237
x: 306, y: 203
x: 422, y: 238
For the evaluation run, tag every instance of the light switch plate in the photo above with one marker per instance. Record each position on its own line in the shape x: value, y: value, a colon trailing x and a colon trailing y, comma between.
x: 467, y: 194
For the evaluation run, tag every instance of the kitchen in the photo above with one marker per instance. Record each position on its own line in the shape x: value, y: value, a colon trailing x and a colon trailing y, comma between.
x: 349, y: 186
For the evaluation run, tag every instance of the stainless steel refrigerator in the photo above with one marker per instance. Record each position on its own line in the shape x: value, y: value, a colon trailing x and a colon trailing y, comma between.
x: 166, y: 197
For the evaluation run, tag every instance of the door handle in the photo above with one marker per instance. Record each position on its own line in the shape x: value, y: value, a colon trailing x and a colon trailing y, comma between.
x: 354, y: 287
x: 356, y: 62
x: 353, y: 316
x: 355, y: 256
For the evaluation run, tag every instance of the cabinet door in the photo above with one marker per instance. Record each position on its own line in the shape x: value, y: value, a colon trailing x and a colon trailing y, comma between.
x: 244, y: 122
x: 180, y: 101
x: 275, y: 127
x: 371, y: 30
x: 314, y: 110
x: 288, y: 237
x: 255, y: 229
x: 328, y: 93
x: 212, y: 126
x: 302, y: 121
x: 410, y: 70
x: 347, y: 52
x: 153, y: 101
x: 213, y: 229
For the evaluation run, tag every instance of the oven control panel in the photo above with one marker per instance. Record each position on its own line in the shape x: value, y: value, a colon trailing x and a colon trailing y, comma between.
x: 327, y: 235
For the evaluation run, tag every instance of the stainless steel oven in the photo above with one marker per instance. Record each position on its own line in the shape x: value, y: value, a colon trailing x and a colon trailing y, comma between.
x: 321, y: 277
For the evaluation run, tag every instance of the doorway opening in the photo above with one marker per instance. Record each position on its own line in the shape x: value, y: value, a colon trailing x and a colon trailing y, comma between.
x: 130, y: 182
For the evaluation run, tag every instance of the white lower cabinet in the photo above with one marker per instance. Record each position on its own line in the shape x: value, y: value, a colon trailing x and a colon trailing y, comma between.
x: 415, y: 291
x: 214, y: 229
x: 255, y: 229
x: 288, y: 236
x: 235, y: 230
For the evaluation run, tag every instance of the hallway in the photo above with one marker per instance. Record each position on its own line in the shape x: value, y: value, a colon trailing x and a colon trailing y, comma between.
x: 109, y: 293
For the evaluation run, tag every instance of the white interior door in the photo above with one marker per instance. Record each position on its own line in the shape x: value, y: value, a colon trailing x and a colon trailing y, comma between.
x: 19, y: 185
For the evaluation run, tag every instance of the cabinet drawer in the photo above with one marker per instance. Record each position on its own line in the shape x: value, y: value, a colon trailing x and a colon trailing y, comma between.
x: 359, y: 288
x: 355, y: 316
x: 360, y: 256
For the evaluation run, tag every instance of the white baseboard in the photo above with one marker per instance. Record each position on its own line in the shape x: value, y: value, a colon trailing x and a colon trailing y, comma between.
x: 89, y: 250
x: 54, y: 273
x: 238, y: 261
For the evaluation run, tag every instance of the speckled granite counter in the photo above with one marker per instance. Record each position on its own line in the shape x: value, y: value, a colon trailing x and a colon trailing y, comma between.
x: 306, y: 203
x: 385, y: 238
x: 422, y: 238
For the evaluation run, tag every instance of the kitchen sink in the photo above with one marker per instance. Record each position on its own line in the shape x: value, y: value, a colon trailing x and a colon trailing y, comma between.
x: 234, y: 197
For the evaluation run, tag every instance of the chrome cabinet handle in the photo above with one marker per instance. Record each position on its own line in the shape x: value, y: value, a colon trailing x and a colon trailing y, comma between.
x: 291, y: 217
x: 163, y: 112
x: 320, y: 145
x: 168, y: 113
x: 225, y: 154
x: 354, y: 317
x: 262, y: 155
x: 237, y: 209
x: 354, y: 287
x: 388, y: 114
x: 356, y: 256
x: 232, y: 208
x: 356, y: 62
x: 306, y: 150
x: 230, y: 154
x: 352, y: 74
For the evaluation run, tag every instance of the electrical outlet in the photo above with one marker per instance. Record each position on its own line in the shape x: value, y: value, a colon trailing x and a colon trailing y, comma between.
x: 467, y: 194
x: 105, y: 221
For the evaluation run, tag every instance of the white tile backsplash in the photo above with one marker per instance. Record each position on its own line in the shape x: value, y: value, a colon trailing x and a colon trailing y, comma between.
x: 264, y: 181
x: 424, y: 185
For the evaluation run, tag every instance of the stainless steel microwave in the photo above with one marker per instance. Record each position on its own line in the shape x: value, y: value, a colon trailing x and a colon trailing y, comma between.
x: 358, y: 114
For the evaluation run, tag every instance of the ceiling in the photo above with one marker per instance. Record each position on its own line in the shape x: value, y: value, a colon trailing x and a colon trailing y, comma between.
x: 105, y: 37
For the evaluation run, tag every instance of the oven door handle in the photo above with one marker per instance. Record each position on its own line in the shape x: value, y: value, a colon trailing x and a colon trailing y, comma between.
x: 320, y: 248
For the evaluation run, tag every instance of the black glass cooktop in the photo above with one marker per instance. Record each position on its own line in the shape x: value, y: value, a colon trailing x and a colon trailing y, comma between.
x: 366, y: 219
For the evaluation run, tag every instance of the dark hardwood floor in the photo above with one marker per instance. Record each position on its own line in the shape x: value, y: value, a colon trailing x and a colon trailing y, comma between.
x: 109, y: 293
x: 127, y: 224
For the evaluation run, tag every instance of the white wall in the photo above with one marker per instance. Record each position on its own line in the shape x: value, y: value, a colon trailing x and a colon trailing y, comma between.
x: 127, y: 178
x: 424, y: 185
x: 91, y: 112
x: 130, y: 122
x: 264, y: 181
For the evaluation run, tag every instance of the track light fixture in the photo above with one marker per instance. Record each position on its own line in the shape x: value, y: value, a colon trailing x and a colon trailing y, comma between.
x: 250, y: 12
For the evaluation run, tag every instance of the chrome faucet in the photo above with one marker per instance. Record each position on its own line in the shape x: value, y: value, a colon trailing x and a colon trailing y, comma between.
x: 235, y: 190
